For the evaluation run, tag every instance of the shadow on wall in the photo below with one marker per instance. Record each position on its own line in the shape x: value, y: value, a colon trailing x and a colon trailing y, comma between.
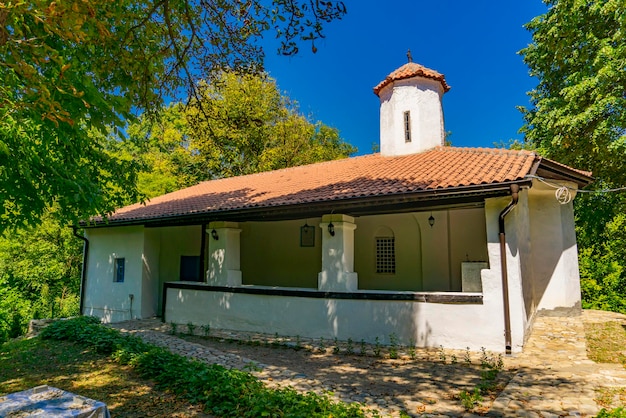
x: 216, y: 268
x: 375, y: 319
x: 554, y: 252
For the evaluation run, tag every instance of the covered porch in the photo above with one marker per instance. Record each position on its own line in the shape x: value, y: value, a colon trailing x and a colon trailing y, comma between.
x: 423, y: 277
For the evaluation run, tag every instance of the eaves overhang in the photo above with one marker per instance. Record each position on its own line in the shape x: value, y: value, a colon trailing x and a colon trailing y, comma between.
x: 552, y: 170
x: 356, y: 206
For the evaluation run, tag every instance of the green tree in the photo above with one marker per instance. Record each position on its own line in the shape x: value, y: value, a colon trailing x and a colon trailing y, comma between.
x: 578, y: 117
x: 39, y: 274
x: 578, y: 113
x: 242, y: 124
x: 74, y: 67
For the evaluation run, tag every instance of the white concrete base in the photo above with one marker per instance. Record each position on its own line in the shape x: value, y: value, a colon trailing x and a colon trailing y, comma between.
x: 109, y: 316
x: 424, y: 324
x: 470, y: 276
x: 340, y: 282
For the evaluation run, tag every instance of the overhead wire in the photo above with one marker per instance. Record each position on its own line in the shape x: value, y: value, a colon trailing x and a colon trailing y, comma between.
x: 563, y: 194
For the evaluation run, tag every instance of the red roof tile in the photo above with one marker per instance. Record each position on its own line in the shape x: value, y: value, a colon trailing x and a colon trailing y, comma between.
x: 442, y: 168
x: 410, y: 70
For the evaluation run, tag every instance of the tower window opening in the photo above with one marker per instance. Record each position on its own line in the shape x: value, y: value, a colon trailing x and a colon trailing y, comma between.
x: 407, y: 126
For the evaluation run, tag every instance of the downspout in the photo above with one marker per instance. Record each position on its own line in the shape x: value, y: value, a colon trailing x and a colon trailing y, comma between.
x: 83, y: 272
x: 503, y: 268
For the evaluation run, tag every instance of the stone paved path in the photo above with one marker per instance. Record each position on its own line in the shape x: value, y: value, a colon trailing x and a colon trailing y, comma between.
x: 554, y: 376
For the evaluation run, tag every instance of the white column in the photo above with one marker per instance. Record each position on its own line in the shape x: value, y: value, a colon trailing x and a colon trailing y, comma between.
x: 337, y: 273
x: 224, y: 254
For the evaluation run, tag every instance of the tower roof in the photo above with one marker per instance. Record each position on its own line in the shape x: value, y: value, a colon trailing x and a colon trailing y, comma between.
x: 409, y: 70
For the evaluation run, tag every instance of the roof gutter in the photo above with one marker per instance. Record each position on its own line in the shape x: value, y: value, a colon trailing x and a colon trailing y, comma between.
x: 83, y: 272
x: 505, y: 279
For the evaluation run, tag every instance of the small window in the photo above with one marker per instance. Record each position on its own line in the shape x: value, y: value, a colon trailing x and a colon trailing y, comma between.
x: 119, y: 270
x: 190, y: 268
x: 385, y: 255
x: 407, y: 126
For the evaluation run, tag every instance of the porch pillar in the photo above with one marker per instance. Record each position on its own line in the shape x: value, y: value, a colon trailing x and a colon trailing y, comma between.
x: 337, y: 273
x: 224, y: 267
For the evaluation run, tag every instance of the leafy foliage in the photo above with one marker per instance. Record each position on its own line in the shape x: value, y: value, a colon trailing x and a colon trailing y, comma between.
x: 71, y: 70
x: 579, y: 106
x: 578, y: 117
x: 240, y: 124
x: 39, y: 275
x: 613, y: 413
x: 39, y: 266
x: 229, y: 393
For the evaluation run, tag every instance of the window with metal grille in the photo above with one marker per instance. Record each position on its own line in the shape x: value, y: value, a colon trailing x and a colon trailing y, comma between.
x: 407, y: 126
x: 118, y: 273
x: 385, y: 255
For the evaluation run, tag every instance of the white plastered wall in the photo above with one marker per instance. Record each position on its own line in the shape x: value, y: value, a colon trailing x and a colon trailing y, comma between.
x: 422, y: 98
x: 152, y: 257
x: 467, y: 242
x: 105, y: 298
x: 176, y: 241
x: 271, y: 254
x: 427, y: 257
x: 406, y: 231
x: 425, y: 324
x: 519, y: 264
x: 150, y: 281
x: 554, y: 253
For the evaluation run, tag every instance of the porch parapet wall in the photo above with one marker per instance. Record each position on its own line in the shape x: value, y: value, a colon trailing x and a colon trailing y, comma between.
x: 426, y: 319
x: 430, y: 297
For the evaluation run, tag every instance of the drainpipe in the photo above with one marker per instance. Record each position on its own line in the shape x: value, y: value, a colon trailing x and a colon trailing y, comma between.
x: 503, y: 268
x: 83, y: 272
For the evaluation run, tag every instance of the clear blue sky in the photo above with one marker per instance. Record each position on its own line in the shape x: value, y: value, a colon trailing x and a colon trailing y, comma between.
x: 474, y: 44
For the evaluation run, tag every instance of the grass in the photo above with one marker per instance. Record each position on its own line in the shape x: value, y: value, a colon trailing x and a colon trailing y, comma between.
x: 28, y: 363
x: 606, y: 343
x: 220, y: 391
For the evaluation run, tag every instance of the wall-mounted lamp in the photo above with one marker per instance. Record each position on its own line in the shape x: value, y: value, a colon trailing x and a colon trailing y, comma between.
x: 214, y: 235
x: 431, y: 220
x: 331, y: 229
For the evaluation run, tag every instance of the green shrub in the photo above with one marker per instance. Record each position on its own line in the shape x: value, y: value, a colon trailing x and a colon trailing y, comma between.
x: 469, y: 400
x: 223, y: 392
x: 614, y: 413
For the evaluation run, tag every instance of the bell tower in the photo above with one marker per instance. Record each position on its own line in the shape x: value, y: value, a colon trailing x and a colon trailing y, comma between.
x: 411, y: 116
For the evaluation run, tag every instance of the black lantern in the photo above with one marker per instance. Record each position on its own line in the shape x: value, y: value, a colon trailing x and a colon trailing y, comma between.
x: 214, y: 235
x: 331, y: 229
x: 431, y: 220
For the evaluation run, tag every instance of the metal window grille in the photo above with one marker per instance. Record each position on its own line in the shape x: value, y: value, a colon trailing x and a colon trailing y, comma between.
x: 385, y: 255
x: 407, y: 126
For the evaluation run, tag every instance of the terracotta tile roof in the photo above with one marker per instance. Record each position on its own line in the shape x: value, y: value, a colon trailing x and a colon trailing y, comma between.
x: 444, y: 169
x: 409, y: 70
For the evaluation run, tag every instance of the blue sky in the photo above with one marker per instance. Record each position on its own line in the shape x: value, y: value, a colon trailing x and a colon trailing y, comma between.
x: 474, y: 44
